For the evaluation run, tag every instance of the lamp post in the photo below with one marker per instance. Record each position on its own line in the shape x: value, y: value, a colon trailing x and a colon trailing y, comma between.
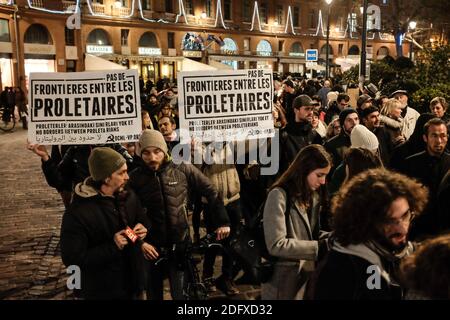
x: 412, y: 27
x: 362, y: 64
x: 327, y: 62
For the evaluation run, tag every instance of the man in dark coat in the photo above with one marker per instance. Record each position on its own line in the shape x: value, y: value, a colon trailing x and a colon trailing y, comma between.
x: 444, y: 204
x: 298, y: 134
x: 336, y: 146
x: 369, y: 241
x: 164, y: 189
x: 103, y: 229
x: 429, y: 167
x: 370, y: 117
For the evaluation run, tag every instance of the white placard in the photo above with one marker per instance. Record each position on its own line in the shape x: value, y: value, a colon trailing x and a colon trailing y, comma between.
x: 228, y: 105
x: 84, y: 107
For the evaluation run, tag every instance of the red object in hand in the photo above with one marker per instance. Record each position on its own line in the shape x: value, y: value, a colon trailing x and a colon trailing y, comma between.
x: 131, y: 235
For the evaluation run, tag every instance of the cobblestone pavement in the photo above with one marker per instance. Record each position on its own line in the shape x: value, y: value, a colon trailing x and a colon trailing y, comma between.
x: 30, y: 219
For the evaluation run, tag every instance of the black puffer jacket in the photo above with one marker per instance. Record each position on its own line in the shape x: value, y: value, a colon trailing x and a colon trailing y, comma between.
x: 165, y: 194
x: 87, y: 241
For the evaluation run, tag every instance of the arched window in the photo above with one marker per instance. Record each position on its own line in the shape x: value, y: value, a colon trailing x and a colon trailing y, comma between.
x: 323, y: 50
x: 297, y: 49
x: 148, y: 39
x: 353, y: 51
x: 98, y: 37
x: 37, y: 33
x: 264, y: 48
x: 229, y: 46
x: 382, y: 52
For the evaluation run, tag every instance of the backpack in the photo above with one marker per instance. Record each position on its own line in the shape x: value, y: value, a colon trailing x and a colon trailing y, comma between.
x: 249, y: 248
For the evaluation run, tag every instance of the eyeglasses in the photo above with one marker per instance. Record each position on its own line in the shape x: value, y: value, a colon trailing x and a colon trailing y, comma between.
x: 408, y: 216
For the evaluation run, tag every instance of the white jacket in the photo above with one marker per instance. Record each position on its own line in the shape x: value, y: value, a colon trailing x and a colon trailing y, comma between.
x: 409, y: 122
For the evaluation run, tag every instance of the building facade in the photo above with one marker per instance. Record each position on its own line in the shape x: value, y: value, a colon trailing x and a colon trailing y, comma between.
x: 154, y: 36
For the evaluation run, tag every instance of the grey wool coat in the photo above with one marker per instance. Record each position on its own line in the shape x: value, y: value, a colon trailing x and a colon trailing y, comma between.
x: 291, y: 241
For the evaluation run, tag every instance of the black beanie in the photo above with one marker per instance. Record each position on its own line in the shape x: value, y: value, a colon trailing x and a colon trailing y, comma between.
x: 103, y: 162
x: 343, y: 115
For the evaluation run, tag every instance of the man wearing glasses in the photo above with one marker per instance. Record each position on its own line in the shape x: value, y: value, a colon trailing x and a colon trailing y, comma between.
x: 372, y: 216
x: 429, y: 167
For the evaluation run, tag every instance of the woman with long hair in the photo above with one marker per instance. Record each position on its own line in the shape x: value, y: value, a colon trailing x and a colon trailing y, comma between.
x: 291, y: 222
x: 393, y: 121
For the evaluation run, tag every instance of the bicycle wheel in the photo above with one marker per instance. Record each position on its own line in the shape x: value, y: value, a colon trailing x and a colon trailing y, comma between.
x: 7, y: 122
x: 196, y: 291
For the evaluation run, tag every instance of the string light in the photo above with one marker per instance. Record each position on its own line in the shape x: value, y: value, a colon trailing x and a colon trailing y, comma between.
x: 289, y: 18
x: 182, y: 12
x: 255, y: 12
x: 146, y: 19
x: 219, y: 13
x: 320, y: 24
x: 49, y: 11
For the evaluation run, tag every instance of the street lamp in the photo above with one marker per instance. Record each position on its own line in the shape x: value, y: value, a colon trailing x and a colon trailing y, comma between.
x: 412, y: 27
x: 327, y: 62
x: 362, y: 64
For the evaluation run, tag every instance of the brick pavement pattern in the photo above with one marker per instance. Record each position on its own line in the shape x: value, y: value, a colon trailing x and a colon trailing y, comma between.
x: 30, y: 219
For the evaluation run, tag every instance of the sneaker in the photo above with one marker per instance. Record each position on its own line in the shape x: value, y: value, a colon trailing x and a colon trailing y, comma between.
x: 227, y: 286
x: 209, y: 284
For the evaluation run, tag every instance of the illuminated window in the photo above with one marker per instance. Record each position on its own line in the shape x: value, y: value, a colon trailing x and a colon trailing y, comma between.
x: 264, y: 48
x: 280, y: 14
x: 4, y: 30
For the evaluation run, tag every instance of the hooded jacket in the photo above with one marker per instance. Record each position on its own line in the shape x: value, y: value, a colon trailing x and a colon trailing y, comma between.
x: 87, y: 241
x: 363, y: 271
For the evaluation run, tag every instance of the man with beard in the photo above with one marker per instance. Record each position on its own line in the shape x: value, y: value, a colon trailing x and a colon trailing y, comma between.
x: 167, y: 127
x: 372, y: 216
x: 429, y: 167
x: 298, y: 134
x: 103, y: 230
x: 370, y: 117
x: 336, y: 146
x: 164, y: 189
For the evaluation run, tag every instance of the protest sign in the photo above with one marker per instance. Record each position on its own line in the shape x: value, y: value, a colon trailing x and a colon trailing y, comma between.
x: 228, y: 105
x: 84, y: 107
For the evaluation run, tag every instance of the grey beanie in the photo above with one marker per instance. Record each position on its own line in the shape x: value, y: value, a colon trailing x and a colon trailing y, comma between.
x: 153, y: 138
x: 103, y: 162
x: 361, y: 137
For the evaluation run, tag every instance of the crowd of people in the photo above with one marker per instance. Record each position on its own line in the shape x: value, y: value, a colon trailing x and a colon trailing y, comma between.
x: 11, y: 97
x: 360, y: 188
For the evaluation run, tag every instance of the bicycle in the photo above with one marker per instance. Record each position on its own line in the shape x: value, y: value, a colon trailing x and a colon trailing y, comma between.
x: 8, y: 119
x: 194, y: 288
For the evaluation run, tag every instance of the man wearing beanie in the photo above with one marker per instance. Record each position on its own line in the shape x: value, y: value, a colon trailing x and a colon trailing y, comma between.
x: 336, y: 146
x: 164, y: 189
x: 299, y: 133
x: 370, y: 117
x: 103, y: 229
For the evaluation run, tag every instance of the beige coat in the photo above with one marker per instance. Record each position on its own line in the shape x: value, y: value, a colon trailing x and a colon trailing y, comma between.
x: 292, y: 242
x: 223, y: 176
